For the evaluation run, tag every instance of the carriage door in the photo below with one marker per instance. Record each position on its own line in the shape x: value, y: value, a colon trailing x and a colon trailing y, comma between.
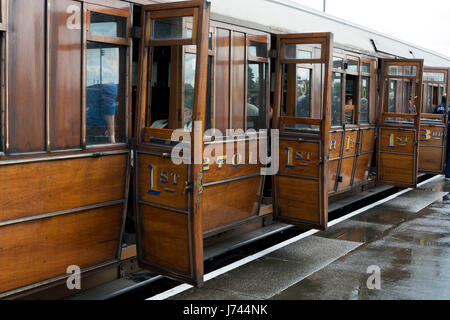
x: 172, y: 96
x: 433, y: 127
x: 399, y: 122
x: 302, y: 113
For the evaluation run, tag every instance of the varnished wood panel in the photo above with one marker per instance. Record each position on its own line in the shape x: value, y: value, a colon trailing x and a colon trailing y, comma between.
x: 298, y: 199
x: 168, y: 181
x: 222, y: 85
x: 431, y: 149
x: 164, y: 238
x: 303, y: 158
x: 230, y: 202
x: 26, y: 75
x: 346, y: 172
x: 367, y: 140
x: 430, y: 158
x: 43, y: 187
x: 396, y: 168
x: 65, y: 91
x: 238, y: 79
x: 362, y: 168
x: 43, y: 249
x: 332, y: 174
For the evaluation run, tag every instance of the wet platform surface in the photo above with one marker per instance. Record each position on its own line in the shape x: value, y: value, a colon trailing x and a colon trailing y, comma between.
x: 408, y: 238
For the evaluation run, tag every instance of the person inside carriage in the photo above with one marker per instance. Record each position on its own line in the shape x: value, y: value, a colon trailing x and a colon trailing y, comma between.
x: 440, y: 109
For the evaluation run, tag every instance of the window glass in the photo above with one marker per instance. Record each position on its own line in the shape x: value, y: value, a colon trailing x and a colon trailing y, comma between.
x: 189, y: 88
x: 303, y: 51
x: 429, y: 98
x: 210, y: 41
x: 209, y: 83
x: 392, y: 95
x: 365, y: 100
x: 109, y: 26
x: 105, y: 93
x: 256, y: 96
x: 365, y: 67
x: 258, y: 49
x: 171, y: 104
x: 171, y: 28
x: 352, y: 66
x: 303, y: 93
x: 402, y: 70
x: 338, y: 63
x: 336, y: 107
x: 433, y: 76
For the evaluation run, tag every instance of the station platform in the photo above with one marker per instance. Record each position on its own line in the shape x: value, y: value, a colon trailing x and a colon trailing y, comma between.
x: 407, y: 237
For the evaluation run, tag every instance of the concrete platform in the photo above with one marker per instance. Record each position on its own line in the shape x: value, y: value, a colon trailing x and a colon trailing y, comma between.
x: 408, y: 238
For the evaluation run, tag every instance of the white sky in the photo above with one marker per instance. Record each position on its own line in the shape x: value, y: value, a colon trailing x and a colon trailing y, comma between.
x: 425, y: 23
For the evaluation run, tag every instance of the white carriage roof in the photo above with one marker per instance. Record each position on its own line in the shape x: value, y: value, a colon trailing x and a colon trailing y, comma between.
x: 286, y: 16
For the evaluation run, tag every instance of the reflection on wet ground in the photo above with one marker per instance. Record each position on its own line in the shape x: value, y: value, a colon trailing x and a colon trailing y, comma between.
x: 408, y: 238
x: 412, y: 250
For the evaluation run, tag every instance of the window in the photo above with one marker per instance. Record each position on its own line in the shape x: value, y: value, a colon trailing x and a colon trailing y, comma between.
x: 338, y: 63
x: 258, y: 49
x: 107, y: 25
x: 257, y: 82
x: 336, y: 107
x: 303, y: 93
x: 352, y: 66
x: 172, y: 73
x: 106, y: 78
x: 364, y: 105
x: 392, y: 95
x: 302, y: 51
x: 365, y: 68
x: 171, y: 28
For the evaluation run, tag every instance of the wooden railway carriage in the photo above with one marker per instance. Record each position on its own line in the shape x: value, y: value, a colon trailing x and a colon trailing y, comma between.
x: 93, y: 92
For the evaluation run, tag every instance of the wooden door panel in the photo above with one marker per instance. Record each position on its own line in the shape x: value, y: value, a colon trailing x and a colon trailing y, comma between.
x: 302, y: 183
x: 397, y: 168
x: 165, y: 239
x: 399, y: 121
x: 432, y: 149
x: 294, y: 193
x: 169, y: 197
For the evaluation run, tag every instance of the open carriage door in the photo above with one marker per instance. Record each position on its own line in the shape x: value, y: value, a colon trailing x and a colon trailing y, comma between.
x: 433, y: 127
x: 172, y: 96
x: 302, y: 113
x: 399, y: 122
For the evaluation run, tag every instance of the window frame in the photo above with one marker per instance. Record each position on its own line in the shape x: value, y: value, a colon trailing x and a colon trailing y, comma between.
x: 264, y: 39
x: 372, y: 87
x: 123, y: 43
x: 122, y: 13
x: 342, y: 72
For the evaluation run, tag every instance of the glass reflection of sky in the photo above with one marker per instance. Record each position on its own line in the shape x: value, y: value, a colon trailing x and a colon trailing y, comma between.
x: 110, y: 69
x: 108, y: 29
x: 190, y: 64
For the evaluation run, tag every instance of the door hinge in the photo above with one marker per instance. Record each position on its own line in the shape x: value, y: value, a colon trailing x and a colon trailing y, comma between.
x: 187, y: 187
x: 320, y: 162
